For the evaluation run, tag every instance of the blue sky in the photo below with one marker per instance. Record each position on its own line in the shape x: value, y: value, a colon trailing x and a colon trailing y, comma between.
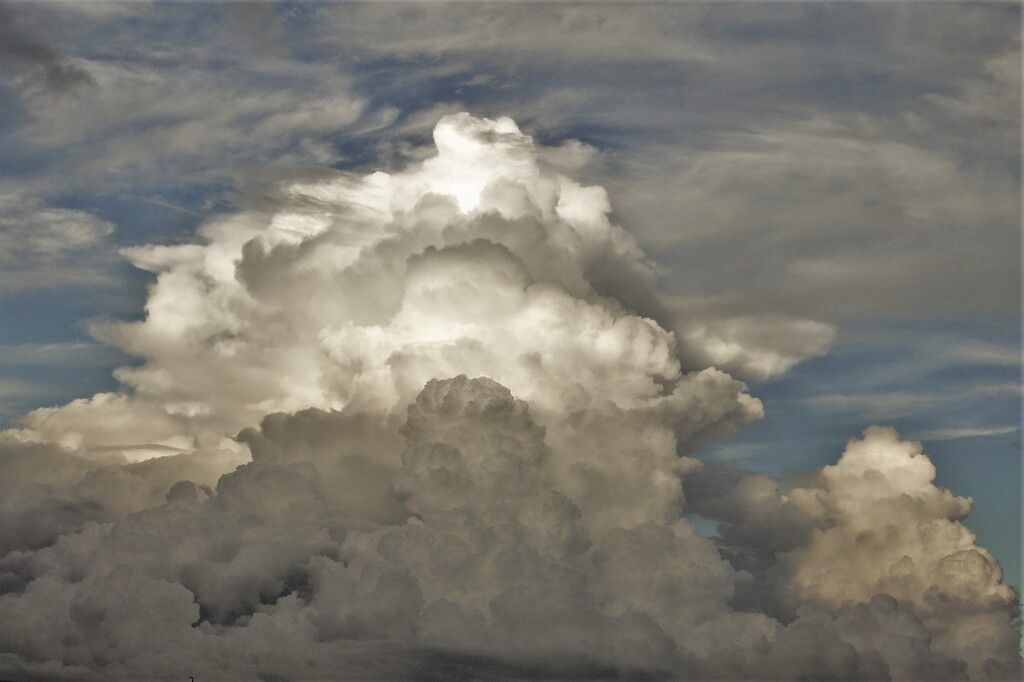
x: 853, y: 164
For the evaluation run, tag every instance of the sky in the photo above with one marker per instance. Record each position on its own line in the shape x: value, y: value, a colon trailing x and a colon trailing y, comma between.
x: 522, y: 339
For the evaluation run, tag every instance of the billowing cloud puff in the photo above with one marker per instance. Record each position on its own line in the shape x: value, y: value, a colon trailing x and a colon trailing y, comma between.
x: 872, y: 528
x: 410, y: 424
x: 756, y: 346
x: 354, y: 291
x: 890, y: 530
x: 447, y: 545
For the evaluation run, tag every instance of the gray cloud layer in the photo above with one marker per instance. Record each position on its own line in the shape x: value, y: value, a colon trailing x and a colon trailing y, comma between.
x: 462, y: 547
x: 850, y: 160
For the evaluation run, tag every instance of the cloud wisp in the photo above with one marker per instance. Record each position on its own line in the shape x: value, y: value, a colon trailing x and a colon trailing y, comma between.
x: 411, y: 424
x: 43, y: 247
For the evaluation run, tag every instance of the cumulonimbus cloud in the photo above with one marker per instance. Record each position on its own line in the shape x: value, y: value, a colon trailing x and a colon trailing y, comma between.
x: 404, y: 424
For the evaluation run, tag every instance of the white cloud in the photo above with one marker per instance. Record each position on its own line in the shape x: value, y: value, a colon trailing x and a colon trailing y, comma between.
x: 76, y: 354
x: 894, y: 532
x: 967, y: 432
x: 395, y: 522
x: 872, y: 528
x: 398, y: 519
x: 756, y: 347
x: 357, y: 290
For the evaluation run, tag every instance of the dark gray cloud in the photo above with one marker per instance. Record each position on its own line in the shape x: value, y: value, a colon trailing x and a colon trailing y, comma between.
x: 32, y: 62
x: 477, y: 561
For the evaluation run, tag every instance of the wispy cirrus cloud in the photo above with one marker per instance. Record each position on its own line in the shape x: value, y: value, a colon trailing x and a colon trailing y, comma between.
x: 46, y: 247
x: 874, y: 406
x: 966, y: 432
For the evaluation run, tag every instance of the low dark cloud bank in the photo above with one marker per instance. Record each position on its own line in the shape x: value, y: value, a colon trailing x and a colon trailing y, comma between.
x: 394, y: 425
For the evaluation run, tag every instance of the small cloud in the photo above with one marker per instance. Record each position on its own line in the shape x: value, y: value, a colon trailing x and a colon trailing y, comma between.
x: 12, y: 389
x: 989, y: 354
x: 15, y: 394
x: 966, y: 432
x: 478, y: 80
x: 44, y: 246
x: 75, y: 354
x: 893, y: 404
x: 754, y: 346
x: 156, y: 201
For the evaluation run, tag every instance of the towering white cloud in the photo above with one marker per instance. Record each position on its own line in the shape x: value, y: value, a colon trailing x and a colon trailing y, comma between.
x: 407, y: 424
x: 354, y: 291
